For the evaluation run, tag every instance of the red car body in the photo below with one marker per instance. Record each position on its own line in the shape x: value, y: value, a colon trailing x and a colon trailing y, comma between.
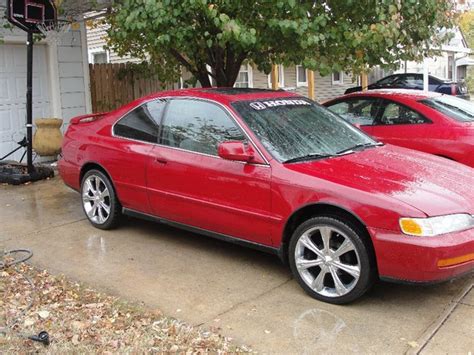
x: 258, y: 203
x: 439, y: 134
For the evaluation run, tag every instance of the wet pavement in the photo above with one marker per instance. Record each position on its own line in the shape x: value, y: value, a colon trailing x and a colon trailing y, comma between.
x: 250, y: 295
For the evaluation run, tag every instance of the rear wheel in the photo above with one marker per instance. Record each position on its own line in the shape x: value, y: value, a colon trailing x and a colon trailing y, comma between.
x: 331, y: 261
x: 99, y: 200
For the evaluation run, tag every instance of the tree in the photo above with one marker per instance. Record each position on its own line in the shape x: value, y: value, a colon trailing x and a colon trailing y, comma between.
x: 466, y: 22
x: 214, y: 38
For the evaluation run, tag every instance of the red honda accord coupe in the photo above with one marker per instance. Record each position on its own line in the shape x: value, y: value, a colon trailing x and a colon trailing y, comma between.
x: 429, y: 122
x: 277, y: 172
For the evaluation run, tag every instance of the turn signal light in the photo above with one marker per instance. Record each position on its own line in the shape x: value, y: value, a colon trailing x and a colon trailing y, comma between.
x: 410, y: 226
x: 457, y: 260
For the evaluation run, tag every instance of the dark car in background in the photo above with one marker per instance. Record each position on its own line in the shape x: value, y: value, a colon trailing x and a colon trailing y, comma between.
x: 414, y: 81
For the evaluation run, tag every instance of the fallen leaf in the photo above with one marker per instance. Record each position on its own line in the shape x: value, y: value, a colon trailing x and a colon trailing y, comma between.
x: 174, y: 348
x: 29, y: 322
x: 43, y: 314
x: 413, y: 344
x: 78, y: 325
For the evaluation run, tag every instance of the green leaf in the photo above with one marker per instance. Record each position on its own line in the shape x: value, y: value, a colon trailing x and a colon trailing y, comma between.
x: 341, y: 34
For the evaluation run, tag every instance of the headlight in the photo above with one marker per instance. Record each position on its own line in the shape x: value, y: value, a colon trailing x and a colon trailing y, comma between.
x: 432, y: 226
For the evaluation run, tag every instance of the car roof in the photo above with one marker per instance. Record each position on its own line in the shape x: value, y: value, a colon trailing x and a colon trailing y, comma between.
x: 418, y: 74
x: 222, y: 95
x: 409, y: 94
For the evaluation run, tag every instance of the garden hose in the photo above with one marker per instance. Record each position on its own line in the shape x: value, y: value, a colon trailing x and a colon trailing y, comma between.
x: 43, y: 336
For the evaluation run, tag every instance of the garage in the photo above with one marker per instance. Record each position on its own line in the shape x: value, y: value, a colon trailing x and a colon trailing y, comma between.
x: 13, y: 93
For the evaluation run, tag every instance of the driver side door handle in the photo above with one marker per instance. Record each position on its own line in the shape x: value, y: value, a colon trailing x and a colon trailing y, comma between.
x: 160, y: 160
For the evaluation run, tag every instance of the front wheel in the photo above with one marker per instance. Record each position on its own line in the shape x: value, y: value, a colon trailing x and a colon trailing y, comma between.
x: 331, y: 261
x: 99, y: 200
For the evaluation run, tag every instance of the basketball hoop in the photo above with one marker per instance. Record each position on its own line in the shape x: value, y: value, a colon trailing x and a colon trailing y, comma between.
x: 53, y: 31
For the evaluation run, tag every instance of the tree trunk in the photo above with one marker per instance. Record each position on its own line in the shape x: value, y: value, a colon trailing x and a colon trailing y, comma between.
x: 203, y: 78
x: 230, y: 73
x: 225, y: 67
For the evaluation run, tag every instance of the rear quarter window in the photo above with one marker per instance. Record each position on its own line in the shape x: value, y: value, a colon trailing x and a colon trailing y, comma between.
x: 453, y: 107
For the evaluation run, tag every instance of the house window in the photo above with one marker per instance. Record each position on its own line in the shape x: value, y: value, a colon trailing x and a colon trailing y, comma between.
x: 337, y: 78
x: 244, y: 79
x: 100, y: 58
x: 301, y: 76
x: 450, y: 67
x: 281, y: 77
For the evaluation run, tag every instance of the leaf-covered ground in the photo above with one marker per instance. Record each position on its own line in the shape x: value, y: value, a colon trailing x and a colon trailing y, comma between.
x: 80, y: 319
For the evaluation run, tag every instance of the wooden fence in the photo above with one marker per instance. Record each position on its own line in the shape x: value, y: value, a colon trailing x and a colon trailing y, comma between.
x: 112, y: 86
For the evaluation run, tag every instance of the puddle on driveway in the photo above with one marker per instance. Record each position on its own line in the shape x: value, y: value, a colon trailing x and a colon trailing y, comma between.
x: 318, y: 330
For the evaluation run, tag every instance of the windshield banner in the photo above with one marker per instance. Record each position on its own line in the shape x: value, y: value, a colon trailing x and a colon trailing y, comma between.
x: 262, y: 105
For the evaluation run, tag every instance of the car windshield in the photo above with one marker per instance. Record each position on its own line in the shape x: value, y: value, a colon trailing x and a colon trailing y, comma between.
x: 296, y: 128
x: 454, y: 107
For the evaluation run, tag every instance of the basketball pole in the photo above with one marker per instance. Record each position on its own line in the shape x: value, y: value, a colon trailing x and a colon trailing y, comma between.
x: 29, y: 102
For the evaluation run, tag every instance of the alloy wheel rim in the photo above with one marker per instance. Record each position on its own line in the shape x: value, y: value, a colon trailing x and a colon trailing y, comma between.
x: 327, y: 261
x: 96, y: 199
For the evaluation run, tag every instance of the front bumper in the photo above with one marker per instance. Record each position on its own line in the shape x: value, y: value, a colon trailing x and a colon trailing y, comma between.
x: 423, y: 259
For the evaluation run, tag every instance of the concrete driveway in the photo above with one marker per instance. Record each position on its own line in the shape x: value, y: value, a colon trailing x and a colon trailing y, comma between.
x: 251, y: 296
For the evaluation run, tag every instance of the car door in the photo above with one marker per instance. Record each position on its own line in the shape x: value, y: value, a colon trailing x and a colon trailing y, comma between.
x: 361, y: 112
x: 190, y: 184
x: 129, y: 153
x: 400, y: 125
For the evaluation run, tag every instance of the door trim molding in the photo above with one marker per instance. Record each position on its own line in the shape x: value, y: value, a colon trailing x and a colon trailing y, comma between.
x: 208, y: 233
x: 209, y: 204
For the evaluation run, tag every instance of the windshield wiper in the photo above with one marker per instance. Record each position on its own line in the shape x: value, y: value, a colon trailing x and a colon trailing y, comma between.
x: 312, y: 156
x: 359, y: 146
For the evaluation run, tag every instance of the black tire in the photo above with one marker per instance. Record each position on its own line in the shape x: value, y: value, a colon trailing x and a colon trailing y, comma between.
x: 112, y: 218
x: 359, y: 259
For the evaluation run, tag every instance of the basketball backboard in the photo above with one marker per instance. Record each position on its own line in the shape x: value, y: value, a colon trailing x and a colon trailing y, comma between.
x: 27, y: 14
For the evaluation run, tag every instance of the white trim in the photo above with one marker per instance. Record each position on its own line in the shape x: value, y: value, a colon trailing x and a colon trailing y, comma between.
x: 250, y: 71
x: 54, y: 87
x: 338, y: 82
x: 85, y: 66
x: 281, y: 77
x: 298, y: 82
x: 209, y: 70
x: 249, y: 74
x: 98, y: 50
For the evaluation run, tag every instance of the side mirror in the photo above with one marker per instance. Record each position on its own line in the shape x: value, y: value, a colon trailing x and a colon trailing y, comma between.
x: 236, y: 150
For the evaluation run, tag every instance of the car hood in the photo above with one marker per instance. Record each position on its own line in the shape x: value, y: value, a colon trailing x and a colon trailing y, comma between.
x: 433, y: 185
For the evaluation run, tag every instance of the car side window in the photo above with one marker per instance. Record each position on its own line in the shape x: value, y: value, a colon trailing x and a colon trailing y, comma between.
x: 198, y: 126
x: 389, y: 80
x: 357, y: 111
x: 409, y: 81
x: 394, y: 113
x: 142, y: 123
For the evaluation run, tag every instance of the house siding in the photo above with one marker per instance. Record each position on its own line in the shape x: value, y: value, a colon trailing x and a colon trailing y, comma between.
x: 96, y: 42
x: 71, y: 76
x: 324, y: 88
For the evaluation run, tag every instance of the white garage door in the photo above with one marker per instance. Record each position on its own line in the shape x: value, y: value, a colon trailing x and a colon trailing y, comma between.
x: 13, y: 93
